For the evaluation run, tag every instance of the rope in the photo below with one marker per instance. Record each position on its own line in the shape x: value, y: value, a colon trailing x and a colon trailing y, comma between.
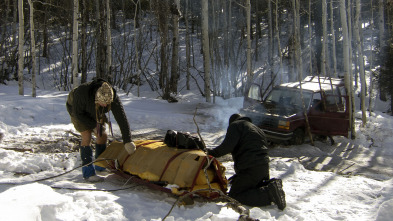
x: 52, y: 177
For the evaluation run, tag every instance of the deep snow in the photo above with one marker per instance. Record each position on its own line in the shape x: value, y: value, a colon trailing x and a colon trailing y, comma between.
x: 350, y: 180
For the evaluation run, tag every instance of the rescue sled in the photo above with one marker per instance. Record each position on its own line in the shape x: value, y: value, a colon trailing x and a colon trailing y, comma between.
x: 169, y: 169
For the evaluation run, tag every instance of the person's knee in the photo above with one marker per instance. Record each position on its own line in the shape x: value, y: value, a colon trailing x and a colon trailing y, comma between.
x: 102, y: 138
x: 86, y: 137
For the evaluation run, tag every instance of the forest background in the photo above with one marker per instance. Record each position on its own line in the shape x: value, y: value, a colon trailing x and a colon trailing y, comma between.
x: 220, y: 47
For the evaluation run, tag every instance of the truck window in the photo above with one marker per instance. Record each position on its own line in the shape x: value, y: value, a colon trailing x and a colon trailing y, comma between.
x: 288, y: 97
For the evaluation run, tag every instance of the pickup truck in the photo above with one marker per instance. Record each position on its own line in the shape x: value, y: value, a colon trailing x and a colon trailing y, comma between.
x: 283, y: 113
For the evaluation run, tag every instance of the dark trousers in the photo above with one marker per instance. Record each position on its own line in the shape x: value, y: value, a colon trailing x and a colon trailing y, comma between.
x: 246, y: 186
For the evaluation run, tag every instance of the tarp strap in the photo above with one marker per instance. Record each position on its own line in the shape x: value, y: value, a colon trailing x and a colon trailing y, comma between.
x: 137, y: 146
x: 217, y: 168
x: 197, y: 173
x: 170, y: 161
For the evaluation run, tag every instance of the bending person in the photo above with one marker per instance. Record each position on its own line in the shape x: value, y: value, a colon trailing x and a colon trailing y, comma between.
x: 88, y: 105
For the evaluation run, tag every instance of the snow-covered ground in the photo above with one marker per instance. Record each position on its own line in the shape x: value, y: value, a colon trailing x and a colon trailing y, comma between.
x: 350, y: 180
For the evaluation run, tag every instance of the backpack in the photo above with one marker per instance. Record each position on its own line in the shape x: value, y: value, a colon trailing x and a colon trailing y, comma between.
x: 182, y: 140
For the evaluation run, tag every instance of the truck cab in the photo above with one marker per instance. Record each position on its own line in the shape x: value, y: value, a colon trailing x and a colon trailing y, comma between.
x: 281, y: 114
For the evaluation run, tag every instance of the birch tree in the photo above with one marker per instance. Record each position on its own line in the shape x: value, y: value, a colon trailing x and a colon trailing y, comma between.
x: 361, y: 62
x: 84, y: 15
x: 324, y: 45
x: 270, y: 39
x: 277, y: 32
x: 206, y: 48
x: 101, y: 40
x: 299, y: 64
x: 161, y: 9
x: 175, y: 45
x: 310, y: 35
x: 332, y: 31
x: 188, y: 45
x: 21, y: 39
x: 108, y: 40
x: 74, y: 68
x: 249, y: 71
x: 371, y: 78
x: 136, y: 37
x: 33, y: 52
x: 346, y: 63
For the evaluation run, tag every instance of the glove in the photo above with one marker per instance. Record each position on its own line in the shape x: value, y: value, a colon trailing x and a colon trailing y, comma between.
x: 130, y: 147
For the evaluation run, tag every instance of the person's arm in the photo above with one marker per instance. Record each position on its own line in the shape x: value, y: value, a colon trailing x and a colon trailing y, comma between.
x: 228, y: 144
x: 121, y: 119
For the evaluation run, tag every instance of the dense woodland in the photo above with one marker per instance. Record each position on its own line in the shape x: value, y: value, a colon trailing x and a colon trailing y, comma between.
x: 218, y: 47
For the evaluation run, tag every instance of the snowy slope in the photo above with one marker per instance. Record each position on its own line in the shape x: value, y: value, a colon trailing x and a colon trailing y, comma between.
x: 348, y: 181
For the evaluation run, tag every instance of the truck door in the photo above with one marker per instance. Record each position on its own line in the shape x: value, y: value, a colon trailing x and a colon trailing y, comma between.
x: 329, y: 115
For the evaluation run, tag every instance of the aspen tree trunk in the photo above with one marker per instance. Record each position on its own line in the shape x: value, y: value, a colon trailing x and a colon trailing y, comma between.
x: 346, y: 63
x: 74, y: 68
x: 310, y: 36
x: 226, y: 23
x: 33, y: 52
x: 206, y: 48
x: 108, y: 41
x: 101, y: 41
x: 257, y: 31
x: 14, y: 28
x: 188, y: 54
x: 249, y: 72
x: 299, y: 63
x: 361, y: 62
x: 161, y: 9
x: 333, y: 39
x: 136, y: 34
x: 324, y: 45
x: 175, y: 48
x: 351, y: 77
x: 278, y: 41
x: 20, y: 47
x: 84, y: 42
x: 270, y: 45
x: 371, y: 87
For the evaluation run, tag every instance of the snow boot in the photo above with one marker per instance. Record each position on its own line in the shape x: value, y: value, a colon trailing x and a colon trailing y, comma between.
x: 87, y: 159
x: 276, y: 193
x: 100, y: 148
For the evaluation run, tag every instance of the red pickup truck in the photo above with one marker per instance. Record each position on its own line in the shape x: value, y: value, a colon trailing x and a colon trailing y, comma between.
x: 282, y: 113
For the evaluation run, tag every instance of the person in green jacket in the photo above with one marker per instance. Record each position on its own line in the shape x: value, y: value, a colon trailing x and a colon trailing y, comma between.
x: 88, y: 105
x: 251, y: 185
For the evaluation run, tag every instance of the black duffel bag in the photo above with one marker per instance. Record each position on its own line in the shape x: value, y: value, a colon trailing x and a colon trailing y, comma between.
x: 182, y: 140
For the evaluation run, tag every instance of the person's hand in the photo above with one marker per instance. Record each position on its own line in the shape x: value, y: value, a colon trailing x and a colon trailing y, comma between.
x: 130, y: 147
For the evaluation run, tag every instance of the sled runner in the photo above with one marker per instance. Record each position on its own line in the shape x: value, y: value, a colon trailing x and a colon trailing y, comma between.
x: 169, y: 169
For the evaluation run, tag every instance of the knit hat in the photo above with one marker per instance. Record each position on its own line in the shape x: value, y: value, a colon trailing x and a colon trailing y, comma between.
x: 104, y: 94
x: 234, y: 117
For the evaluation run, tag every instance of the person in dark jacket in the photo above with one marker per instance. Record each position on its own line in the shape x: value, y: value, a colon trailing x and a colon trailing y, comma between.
x: 251, y: 185
x: 88, y: 105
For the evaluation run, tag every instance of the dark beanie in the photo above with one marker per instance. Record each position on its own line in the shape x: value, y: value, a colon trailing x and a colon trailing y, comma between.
x: 234, y: 117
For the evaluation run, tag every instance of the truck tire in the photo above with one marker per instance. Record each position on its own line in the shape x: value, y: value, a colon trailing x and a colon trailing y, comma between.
x: 298, y: 137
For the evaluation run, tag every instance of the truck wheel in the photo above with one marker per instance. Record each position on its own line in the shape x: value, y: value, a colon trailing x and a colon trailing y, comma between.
x: 298, y: 137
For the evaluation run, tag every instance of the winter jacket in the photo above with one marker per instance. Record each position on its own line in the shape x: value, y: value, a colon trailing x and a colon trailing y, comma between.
x: 83, y: 108
x: 246, y: 142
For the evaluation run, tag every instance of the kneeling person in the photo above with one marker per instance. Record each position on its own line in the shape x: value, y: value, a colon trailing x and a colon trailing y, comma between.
x: 251, y: 185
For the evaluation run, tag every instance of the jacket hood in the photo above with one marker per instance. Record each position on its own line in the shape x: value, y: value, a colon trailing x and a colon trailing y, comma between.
x: 244, y: 118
